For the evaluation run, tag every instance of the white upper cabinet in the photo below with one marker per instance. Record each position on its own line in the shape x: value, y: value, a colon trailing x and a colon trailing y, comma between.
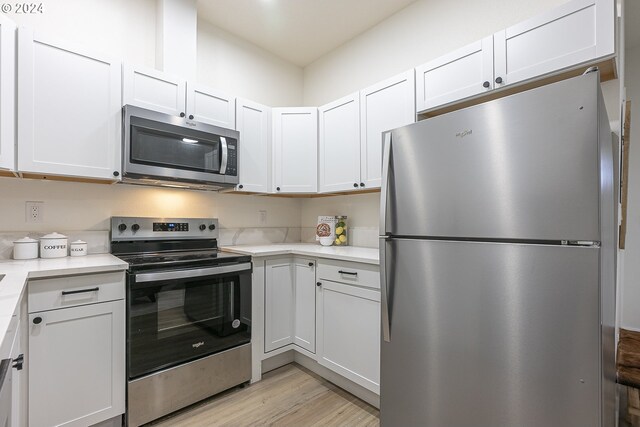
x: 211, y: 106
x: 573, y: 33
x: 339, y: 144
x: 69, y: 110
x: 384, y: 106
x: 253, y: 121
x: 305, y: 304
x: 295, y: 150
x: 154, y: 90
x: 7, y: 93
x: 460, y: 74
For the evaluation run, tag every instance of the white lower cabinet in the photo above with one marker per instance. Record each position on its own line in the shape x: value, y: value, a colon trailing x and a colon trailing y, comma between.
x: 348, y: 331
x: 278, y: 304
x: 305, y: 304
x: 76, y: 355
x: 290, y: 303
x: 328, y: 310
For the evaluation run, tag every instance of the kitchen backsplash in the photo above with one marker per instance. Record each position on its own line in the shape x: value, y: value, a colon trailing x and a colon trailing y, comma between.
x: 98, y: 241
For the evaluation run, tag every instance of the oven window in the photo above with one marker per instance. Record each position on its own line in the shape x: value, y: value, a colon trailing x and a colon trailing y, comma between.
x: 155, y: 144
x: 180, y: 320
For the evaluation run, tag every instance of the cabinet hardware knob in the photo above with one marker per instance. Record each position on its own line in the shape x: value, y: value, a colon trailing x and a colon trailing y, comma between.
x: 241, y: 186
x: 486, y: 84
x: 18, y: 361
x: 310, y: 264
x: 277, y: 188
x: 116, y: 173
x: 355, y: 185
x: 182, y: 114
x: 498, y: 80
x: 318, y: 283
x: 212, y: 227
x: 37, y: 320
x: 362, y: 184
x: 190, y: 116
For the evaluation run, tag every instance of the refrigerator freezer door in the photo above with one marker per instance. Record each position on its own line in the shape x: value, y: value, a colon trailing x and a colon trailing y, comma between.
x: 520, y: 167
x: 491, y: 334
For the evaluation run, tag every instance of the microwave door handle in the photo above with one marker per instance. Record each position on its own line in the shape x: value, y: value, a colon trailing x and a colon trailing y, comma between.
x: 225, y: 154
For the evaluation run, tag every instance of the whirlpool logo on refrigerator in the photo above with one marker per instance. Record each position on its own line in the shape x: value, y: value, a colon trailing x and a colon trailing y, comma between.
x: 198, y: 344
x: 464, y: 133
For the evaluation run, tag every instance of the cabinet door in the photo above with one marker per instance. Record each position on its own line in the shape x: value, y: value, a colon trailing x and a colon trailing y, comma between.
x: 7, y: 93
x: 460, y: 74
x: 278, y: 304
x: 349, y: 333
x: 211, y: 106
x: 295, y: 140
x: 305, y: 304
x: 339, y: 144
x: 76, y: 365
x: 386, y: 105
x: 575, y: 32
x: 153, y: 90
x: 17, y: 380
x: 69, y: 110
x: 254, y: 124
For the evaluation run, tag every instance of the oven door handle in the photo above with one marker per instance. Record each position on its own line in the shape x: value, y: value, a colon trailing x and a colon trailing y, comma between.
x: 225, y: 155
x: 196, y: 272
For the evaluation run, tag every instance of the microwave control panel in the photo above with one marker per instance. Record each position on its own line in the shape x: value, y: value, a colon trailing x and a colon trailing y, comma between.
x: 232, y: 158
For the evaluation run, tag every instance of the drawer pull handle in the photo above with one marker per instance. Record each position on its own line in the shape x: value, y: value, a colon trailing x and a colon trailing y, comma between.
x: 81, y: 291
x: 350, y: 273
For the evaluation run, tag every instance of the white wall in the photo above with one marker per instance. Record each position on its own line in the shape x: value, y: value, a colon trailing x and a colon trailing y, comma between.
x: 238, y: 67
x: 422, y: 31
x: 630, y: 292
x: 122, y: 29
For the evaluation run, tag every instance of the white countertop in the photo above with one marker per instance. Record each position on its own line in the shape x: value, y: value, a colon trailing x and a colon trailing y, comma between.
x: 17, y: 272
x: 343, y: 253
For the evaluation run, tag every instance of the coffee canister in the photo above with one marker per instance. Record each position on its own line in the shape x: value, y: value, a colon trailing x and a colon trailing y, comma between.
x: 78, y: 248
x: 53, y: 245
x: 25, y: 248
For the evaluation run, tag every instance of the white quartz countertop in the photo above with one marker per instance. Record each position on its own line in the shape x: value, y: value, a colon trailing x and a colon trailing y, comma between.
x: 17, y: 272
x: 343, y: 253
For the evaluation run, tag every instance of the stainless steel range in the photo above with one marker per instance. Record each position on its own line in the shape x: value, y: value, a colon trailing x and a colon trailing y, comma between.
x: 188, y: 313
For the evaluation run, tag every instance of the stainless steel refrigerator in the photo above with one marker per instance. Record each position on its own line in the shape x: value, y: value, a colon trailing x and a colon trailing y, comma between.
x: 497, y: 257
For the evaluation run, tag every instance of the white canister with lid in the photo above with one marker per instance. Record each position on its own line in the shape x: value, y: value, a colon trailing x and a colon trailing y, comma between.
x: 53, y: 245
x: 78, y: 248
x: 25, y: 248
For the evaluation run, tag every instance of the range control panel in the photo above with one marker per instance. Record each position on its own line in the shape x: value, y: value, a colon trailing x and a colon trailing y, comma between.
x: 170, y: 226
x: 137, y: 228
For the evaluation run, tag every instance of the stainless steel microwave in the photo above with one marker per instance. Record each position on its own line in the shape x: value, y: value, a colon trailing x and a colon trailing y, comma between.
x: 165, y: 150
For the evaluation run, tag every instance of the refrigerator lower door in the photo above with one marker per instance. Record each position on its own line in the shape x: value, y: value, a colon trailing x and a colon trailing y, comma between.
x: 491, y: 334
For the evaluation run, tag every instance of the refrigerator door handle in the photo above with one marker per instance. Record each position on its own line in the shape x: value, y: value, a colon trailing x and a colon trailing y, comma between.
x: 384, y: 293
x: 384, y: 185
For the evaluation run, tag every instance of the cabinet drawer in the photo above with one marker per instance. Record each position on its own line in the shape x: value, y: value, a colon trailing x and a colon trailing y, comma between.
x: 351, y: 273
x: 71, y: 291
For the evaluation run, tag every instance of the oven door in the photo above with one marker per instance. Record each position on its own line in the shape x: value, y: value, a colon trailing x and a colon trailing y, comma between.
x: 166, y: 147
x: 175, y: 316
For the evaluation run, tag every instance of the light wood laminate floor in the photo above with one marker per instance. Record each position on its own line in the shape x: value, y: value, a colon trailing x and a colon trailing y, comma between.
x: 288, y: 396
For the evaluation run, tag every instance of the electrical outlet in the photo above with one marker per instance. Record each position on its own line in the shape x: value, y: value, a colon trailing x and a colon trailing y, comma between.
x: 34, y: 211
x: 263, y: 217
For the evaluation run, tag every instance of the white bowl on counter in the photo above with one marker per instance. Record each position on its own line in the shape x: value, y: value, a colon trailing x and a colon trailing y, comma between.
x: 25, y: 248
x: 78, y: 248
x: 53, y: 245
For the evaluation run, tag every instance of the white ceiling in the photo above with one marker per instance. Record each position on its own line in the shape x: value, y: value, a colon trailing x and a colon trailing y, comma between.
x: 299, y: 31
x: 632, y: 23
